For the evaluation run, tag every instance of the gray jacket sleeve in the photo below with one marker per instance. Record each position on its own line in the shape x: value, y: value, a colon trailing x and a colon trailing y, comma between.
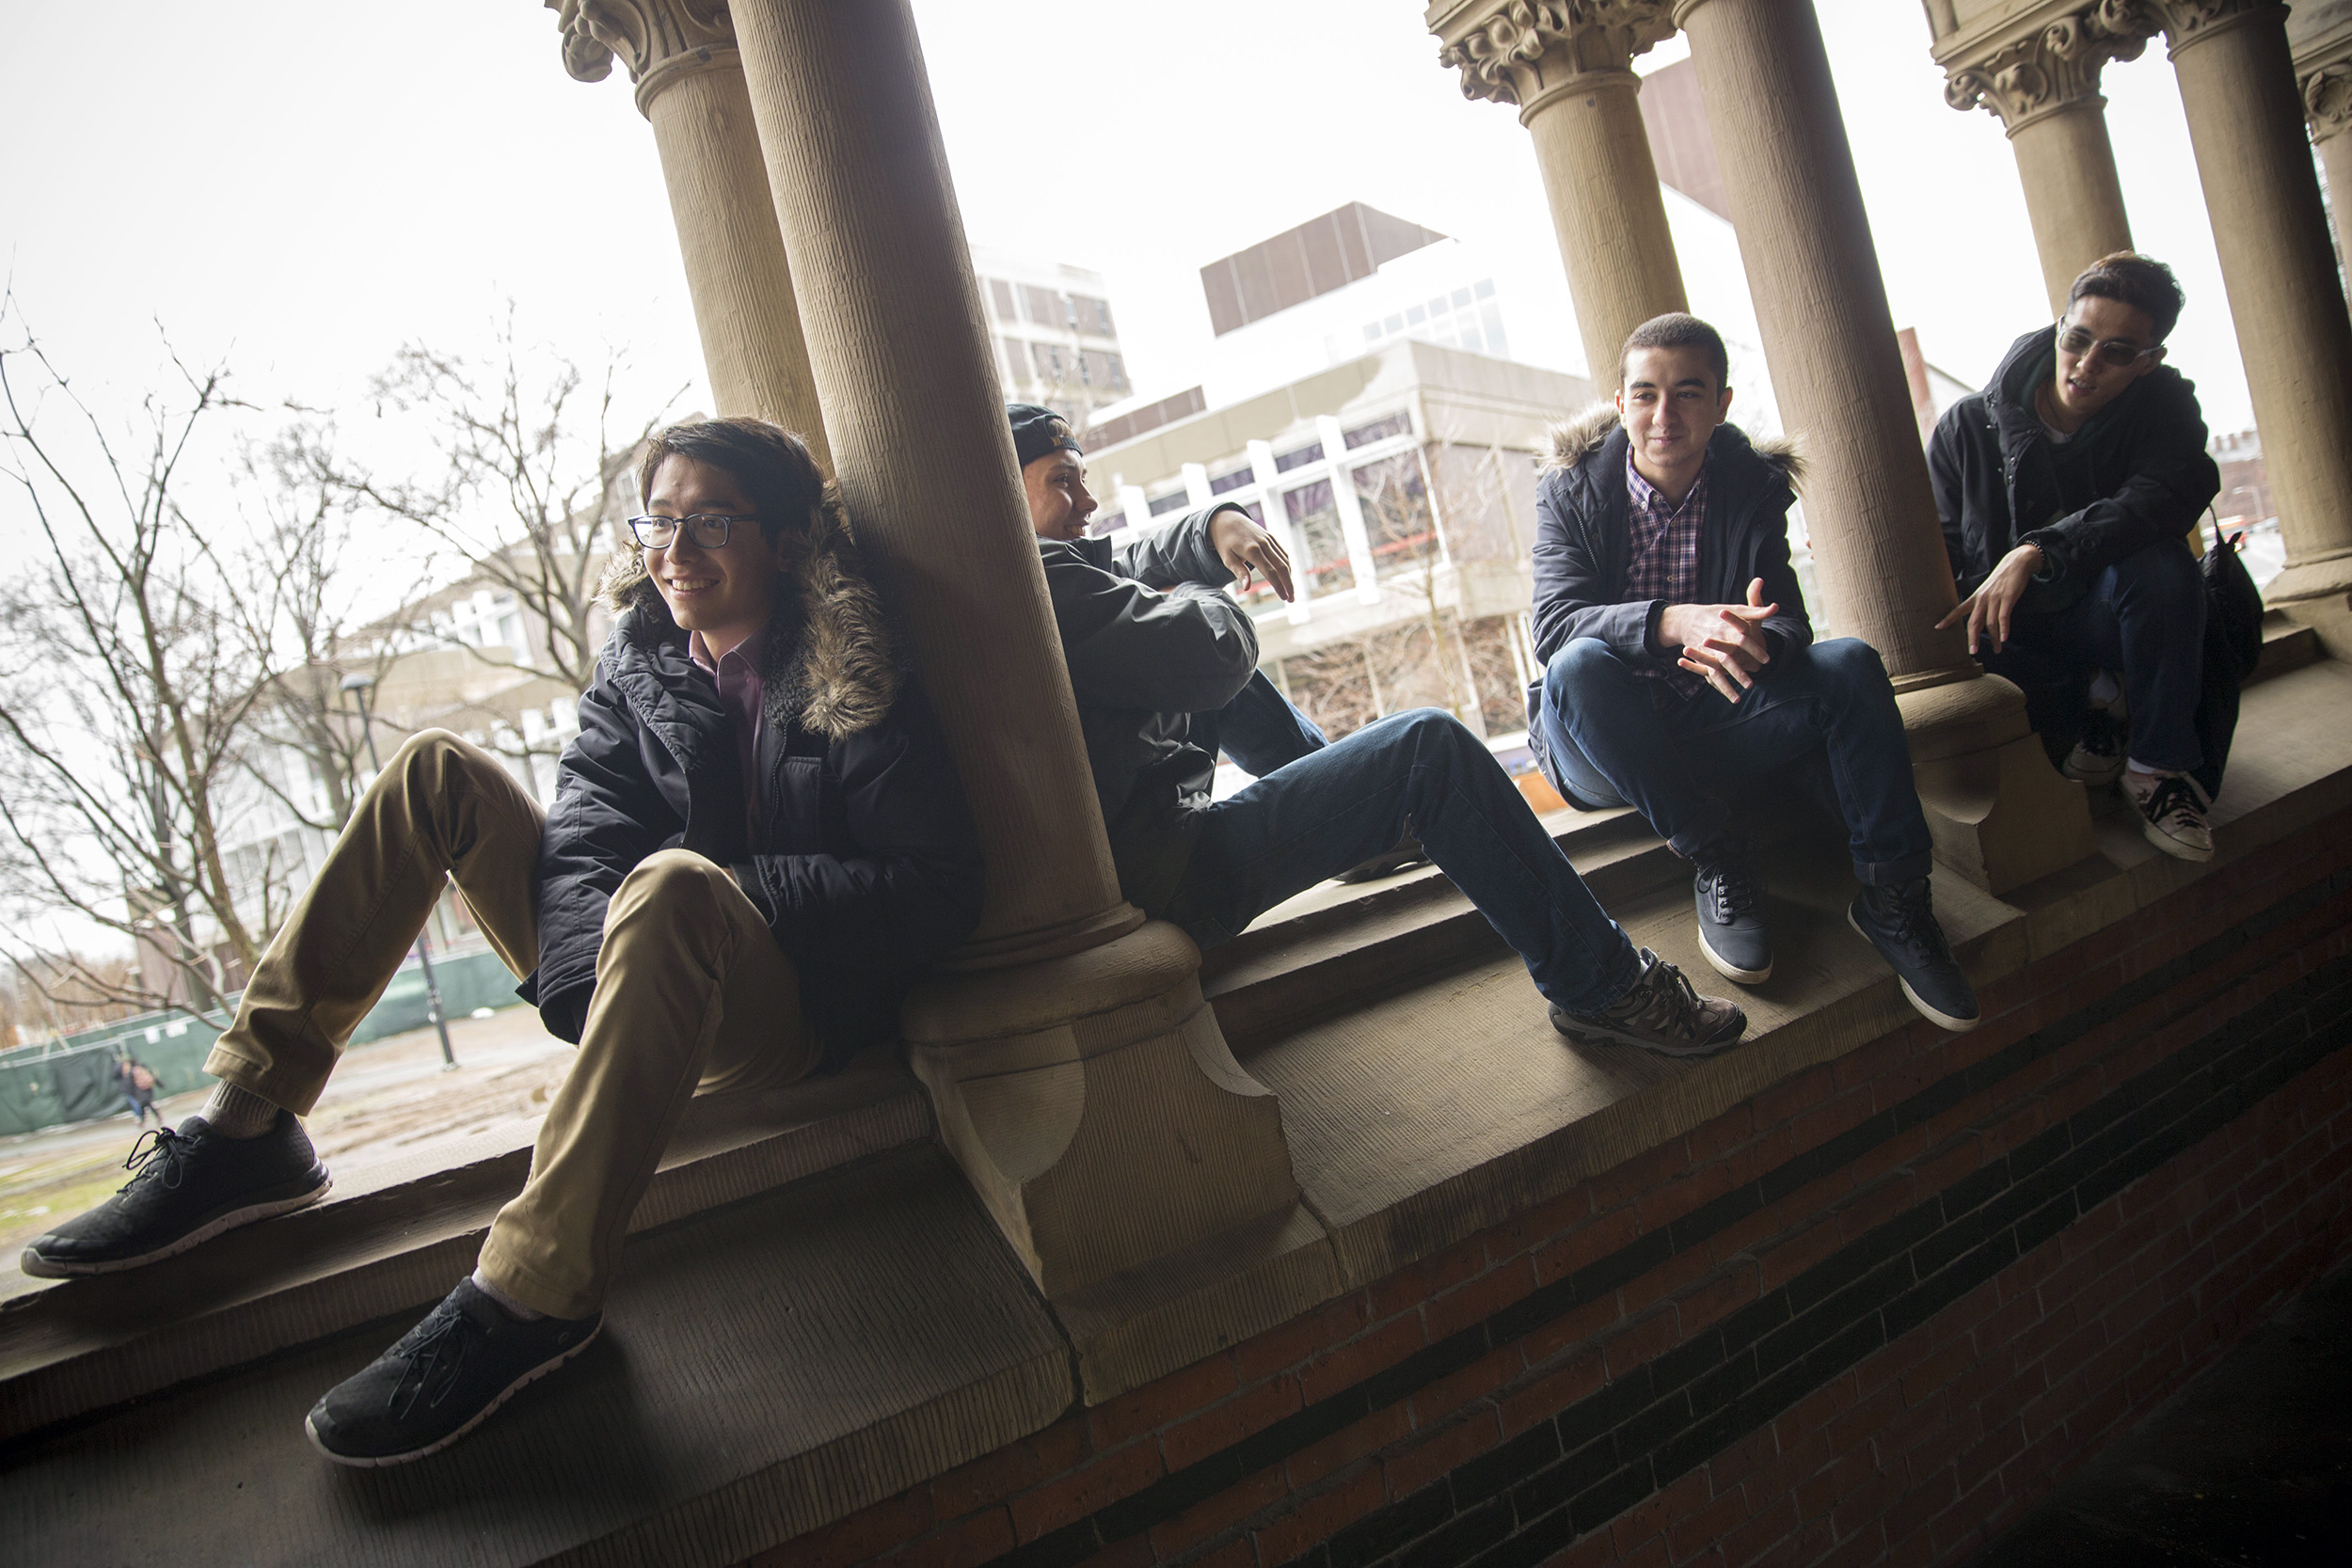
x: 1180, y: 552
x: 1190, y: 649
x: 1570, y: 598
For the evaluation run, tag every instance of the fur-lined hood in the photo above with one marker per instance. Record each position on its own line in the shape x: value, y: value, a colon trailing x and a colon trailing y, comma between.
x: 1576, y: 439
x: 829, y: 664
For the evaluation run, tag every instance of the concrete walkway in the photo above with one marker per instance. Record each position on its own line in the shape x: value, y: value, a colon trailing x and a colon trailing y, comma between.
x: 2250, y: 1464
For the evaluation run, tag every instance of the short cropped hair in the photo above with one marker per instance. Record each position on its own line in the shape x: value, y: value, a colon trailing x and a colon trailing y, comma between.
x: 2140, y: 281
x: 774, y: 465
x: 1679, y: 330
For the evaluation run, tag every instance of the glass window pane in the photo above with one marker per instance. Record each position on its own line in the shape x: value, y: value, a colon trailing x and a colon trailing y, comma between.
x: 1397, y: 519
x: 1486, y: 288
x: 1461, y: 298
x: 1285, y: 462
x: 1398, y: 423
x: 1320, y: 565
x: 1223, y: 484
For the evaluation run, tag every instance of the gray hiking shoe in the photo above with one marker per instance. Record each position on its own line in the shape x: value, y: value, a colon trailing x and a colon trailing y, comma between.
x: 1660, y: 1013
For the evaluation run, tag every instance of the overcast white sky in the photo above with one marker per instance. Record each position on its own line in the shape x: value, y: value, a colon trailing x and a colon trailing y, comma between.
x: 302, y: 187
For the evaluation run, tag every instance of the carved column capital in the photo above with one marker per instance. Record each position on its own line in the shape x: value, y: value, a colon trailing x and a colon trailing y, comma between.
x: 2042, y: 62
x: 659, y: 41
x: 2191, y: 22
x: 2323, y: 71
x: 1527, y: 52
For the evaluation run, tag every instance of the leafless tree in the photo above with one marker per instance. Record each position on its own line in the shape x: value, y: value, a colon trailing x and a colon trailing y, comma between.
x: 1424, y: 657
x: 138, y: 642
x: 532, y: 482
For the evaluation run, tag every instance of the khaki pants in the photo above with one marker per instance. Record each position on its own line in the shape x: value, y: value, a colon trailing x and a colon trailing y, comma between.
x: 692, y: 993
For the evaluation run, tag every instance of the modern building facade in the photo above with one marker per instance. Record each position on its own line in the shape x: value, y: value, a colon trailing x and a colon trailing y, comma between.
x: 1054, y: 339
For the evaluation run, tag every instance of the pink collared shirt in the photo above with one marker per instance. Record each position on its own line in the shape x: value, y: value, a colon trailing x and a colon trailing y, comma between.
x: 744, y: 693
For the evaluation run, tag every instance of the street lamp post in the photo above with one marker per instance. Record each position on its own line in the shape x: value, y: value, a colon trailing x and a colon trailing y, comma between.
x: 359, y: 685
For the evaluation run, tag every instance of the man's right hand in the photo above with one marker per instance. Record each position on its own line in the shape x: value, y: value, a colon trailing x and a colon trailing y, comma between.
x: 1245, y: 547
x: 1725, y: 642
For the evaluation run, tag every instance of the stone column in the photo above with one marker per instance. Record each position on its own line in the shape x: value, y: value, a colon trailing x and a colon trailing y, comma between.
x: 2038, y: 72
x: 2000, y: 813
x: 1080, y: 1079
x: 2322, y: 36
x: 1568, y: 64
x: 2245, y: 122
x: 681, y: 55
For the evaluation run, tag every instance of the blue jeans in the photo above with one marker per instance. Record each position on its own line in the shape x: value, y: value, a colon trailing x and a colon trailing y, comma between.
x: 2143, y: 618
x: 1334, y: 806
x: 1622, y: 738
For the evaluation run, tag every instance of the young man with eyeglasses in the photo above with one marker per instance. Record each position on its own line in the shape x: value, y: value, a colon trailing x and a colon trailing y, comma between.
x: 1678, y: 661
x: 757, y: 840
x: 2068, y: 489
x: 1164, y: 665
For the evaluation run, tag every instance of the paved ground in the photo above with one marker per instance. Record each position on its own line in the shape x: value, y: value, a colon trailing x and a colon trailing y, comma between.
x: 389, y: 1097
x: 2251, y: 1463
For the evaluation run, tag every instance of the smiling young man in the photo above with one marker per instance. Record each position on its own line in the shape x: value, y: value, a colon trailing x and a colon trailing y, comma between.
x: 2066, y: 489
x: 1678, y: 660
x: 1164, y: 665
x: 757, y: 839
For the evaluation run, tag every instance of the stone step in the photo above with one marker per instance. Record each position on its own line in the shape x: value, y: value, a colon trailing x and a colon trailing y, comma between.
x: 2287, y: 644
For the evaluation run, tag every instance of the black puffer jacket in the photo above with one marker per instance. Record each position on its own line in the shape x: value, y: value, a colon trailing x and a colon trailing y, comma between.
x: 1150, y: 639
x: 2136, y: 473
x: 866, y: 862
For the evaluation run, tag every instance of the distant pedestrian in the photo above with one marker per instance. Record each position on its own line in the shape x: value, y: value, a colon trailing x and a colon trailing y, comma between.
x: 137, y: 1081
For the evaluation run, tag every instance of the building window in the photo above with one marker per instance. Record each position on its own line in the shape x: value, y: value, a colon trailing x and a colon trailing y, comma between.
x: 1397, y: 520
x: 1116, y: 379
x: 1285, y: 462
x: 1042, y: 306
x: 1016, y: 361
x: 1220, y: 484
x: 1000, y: 299
x: 1111, y: 524
x: 1398, y: 423
x: 1175, y: 501
x: 1323, y: 566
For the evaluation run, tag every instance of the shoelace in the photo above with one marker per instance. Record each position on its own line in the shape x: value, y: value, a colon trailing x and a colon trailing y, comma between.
x: 1915, y: 925
x: 157, y: 1160
x: 1668, y: 996
x: 1732, y: 892
x: 438, y: 1344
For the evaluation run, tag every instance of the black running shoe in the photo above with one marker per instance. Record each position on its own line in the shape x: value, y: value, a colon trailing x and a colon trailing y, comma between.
x: 1731, y: 922
x: 443, y: 1379
x: 1660, y: 1013
x: 1407, y: 854
x: 2097, y: 758
x: 1901, y: 923
x: 191, y: 1185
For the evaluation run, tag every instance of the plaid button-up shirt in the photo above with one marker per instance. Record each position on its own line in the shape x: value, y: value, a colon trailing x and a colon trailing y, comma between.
x: 1662, y: 558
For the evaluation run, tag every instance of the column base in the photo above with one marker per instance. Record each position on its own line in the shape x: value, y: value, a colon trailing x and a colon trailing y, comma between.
x: 2319, y: 594
x: 1999, y: 813
x: 1095, y: 1108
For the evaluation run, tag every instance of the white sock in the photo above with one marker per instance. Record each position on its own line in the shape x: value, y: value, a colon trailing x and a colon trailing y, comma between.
x: 2104, y: 691
x: 507, y: 1304
x: 236, y: 1113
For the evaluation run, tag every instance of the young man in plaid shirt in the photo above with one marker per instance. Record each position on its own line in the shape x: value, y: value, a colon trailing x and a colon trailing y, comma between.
x: 1678, y: 660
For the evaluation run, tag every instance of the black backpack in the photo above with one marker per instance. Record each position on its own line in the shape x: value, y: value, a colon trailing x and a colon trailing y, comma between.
x: 2233, y: 609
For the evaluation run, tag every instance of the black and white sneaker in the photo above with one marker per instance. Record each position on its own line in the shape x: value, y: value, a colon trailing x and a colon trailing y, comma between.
x: 1407, y: 854
x: 190, y: 1184
x: 444, y: 1378
x: 2097, y: 759
x: 1662, y: 1013
x: 1901, y: 923
x: 1731, y: 922
x: 2171, y: 813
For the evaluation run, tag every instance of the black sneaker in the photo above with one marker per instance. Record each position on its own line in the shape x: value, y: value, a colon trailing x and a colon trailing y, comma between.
x: 1407, y: 854
x: 1731, y: 924
x: 443, y: 1379
x: 1901, y: 923
x: 191, y: 1185
x: 2097, y: 758
x: 1660, y: 1013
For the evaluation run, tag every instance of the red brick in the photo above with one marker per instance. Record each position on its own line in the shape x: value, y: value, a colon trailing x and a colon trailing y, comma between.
x: 962, y: 1544
x: 1865, y: 1504
x: 1410, y: 1469
x: 989, y: 1479
x: 1816, y: 1126
x: 1074, y: 1496
x: 1746, y: 1237
x: 1771, y: 1148
x: 1662, y: 1206
x: 1702, y: 1531
x: 1317, y: 1518
x: 1578, y: 1326
x: 1524, y: 1233
x: 1858, y: 1426
x: 1447, y: 1397
x: 1785, y: 1261
x: 1652, y: 1169
x: 1351, y: 1363
x: 1785, y: 1100
x: 1218, y: 1514
x: 1938, y: 1371
x: 1602, y: 1235
x: 868, y: 1533
x: 1134, y: 1552
x: 1343, y: 1447
x: 1764, y: 1532
x: 1551, y: 1391
x: 1221, y: 1426
x: 1874, y: 1205
x: 1997, y: 1447
x: 1481, y: 1298
x: 1241, y: 1553
x: 1743, y: 1458
x: 1909, y: 1513
x: 1677, y: 1274
x: 1287, y: 1345
x: 1160, y: 1402
x: 1640, y: 1341
x: 1725, y: 1133
x: 1822, y: 1491
x: 1715, y: 1299
x: 1649, y: 1519
x: 1059, y: 1447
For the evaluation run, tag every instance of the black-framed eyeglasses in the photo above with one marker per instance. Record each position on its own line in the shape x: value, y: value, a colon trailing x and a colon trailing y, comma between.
x: 708, y: 530
x: 2117, y: 351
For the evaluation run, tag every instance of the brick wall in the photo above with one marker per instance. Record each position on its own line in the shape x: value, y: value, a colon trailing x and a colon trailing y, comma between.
x: 1867, y: 1315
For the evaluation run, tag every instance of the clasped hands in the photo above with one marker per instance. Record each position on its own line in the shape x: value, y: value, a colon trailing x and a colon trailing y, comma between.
x: 1725, y: 643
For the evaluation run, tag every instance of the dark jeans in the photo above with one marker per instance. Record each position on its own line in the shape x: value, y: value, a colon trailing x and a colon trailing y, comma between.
x: 1621, y: 738
x: 2144, y: 618
x: 1330, y: 807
